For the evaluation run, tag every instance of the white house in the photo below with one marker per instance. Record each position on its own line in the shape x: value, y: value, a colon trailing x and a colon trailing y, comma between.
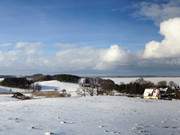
x: 152, y: 93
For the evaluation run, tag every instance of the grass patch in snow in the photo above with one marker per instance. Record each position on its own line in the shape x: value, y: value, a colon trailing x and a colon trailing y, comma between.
x: 50, y: 94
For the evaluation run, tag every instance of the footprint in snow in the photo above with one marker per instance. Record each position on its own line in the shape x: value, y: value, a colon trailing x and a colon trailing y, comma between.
x: 18, y: 120
x: 15, y: 119
x: 106, y: 131
x: 174, y: 127
x: 101, y: 126
x: 36, y: 128
x: 49, y: 133
x: 109, y: 131
x: 114, y: 132
x: 140, y: 129
x: 165, y: 127
x: 65, y: 122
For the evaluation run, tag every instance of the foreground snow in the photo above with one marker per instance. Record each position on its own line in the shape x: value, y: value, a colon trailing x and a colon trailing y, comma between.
x: 90, y: 116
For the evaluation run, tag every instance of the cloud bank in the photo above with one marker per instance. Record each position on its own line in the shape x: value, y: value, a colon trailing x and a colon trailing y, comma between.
x: 33, y: 57
x: 25, y: 57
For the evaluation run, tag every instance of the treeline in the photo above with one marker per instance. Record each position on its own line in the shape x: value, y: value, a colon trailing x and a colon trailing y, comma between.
x: 136, y: 87
x: 59, y: 77
x: 27, y: 81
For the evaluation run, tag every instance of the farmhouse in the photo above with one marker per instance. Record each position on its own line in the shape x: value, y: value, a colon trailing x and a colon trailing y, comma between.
x: 152, y: 93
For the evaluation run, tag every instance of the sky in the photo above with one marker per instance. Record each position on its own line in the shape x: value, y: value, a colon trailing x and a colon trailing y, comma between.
x: 109, y: 37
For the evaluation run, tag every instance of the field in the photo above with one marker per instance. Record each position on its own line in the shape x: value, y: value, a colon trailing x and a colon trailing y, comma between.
x: 98, y: 115
x: 102, y: 115
x: 52, y: 85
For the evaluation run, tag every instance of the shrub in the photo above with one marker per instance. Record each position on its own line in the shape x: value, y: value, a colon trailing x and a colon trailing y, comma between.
x: 107, y: 86
x: 59, y: 77
x: 136, y: 87
x: 17, y: 82
x: 41, y: 77
x: 177, y: 94
x: 162, y: 84
x: 67, y: 78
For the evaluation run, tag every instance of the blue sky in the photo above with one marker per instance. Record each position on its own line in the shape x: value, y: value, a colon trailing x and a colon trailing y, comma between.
x: 96, y: 23
x: 77, y: 24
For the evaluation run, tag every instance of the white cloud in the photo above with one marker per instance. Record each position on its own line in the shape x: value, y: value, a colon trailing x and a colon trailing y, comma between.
x: 170, y: 46
x: 113, y: 54
x: 159, y: 12
x: 28, y: 48
x: 22, y: 57
x: 32, y: 57
x: 114, y: 57
x: 76, y: 58
x: 92, y: 58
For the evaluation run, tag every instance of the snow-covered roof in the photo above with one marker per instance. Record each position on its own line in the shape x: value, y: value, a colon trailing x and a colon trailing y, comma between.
x: 147, y: 92
x: 163, y: 89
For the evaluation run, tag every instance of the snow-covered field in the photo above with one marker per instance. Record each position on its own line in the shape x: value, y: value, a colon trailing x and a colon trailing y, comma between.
x: 57, y: 85
x: 119, y: 80
x: 102, y: 115
x: 98, y: 115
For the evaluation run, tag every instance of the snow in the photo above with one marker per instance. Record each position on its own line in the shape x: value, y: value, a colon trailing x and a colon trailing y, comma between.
x: 99, y: 115
x: 57, y: 85
x: 6, y: 97
x: 1, y: 79
x: 119, y: 80
x: 4, y: 89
